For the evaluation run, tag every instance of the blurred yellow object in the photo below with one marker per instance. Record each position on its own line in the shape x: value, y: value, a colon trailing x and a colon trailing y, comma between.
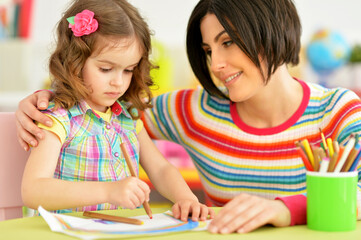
x: 162, y: 76
x: 47, y: 84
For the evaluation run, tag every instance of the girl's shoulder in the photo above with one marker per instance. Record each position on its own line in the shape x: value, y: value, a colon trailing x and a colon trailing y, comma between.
x: 58, y: 113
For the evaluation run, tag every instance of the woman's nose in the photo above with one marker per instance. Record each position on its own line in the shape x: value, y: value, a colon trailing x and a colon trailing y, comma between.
x: 218, y: 62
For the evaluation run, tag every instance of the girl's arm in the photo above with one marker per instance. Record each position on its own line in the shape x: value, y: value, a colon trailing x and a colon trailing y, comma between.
x: 169, y: 182
x: 40, y: 188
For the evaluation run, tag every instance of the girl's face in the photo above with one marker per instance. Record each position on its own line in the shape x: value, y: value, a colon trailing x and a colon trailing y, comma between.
x: 228, y: 62
x: 108, y: 74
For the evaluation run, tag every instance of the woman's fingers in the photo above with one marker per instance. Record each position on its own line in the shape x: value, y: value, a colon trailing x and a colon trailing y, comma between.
x: 25, y: 116
x: 43, y: 99
x: 246, y: 213
x: 26, y: 137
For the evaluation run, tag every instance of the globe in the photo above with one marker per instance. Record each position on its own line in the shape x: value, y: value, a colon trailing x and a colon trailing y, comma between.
x: 327, y: 51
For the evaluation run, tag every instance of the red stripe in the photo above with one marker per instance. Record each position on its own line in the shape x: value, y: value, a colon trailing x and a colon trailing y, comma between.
x: 211, y: 139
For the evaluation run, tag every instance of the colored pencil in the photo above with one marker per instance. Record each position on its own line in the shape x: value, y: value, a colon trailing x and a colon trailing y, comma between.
x: 324, y: 141
x: 317, y: 158
x: 133, y: 173
x: 330, y: 147
x: 349, y: 146
x: 332, y: 163
x: 336, y: 146
x: 324, y: 164
x: 308, y: 150
x: 351, y: 158
x: 304, y: 158
x: 113, y: 218
x: 355, y: 162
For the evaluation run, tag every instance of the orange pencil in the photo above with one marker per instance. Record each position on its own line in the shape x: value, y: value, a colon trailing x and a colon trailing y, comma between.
x: 132, y: 172
x: 304, y: 158
x: 113, y: 218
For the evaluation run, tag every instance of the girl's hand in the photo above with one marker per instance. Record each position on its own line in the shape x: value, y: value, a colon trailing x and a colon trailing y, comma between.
x: 183, y: 208
x: 130, y: 192
x: 27, y: 112
x: 245, y: 213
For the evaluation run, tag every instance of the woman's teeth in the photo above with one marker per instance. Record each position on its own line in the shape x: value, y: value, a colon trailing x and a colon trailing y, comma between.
x: 232, y: 77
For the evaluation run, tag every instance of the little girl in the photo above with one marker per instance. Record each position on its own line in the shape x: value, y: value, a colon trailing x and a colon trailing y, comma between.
x: 100, y: 77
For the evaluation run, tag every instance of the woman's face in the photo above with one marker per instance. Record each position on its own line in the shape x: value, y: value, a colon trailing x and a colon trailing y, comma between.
x: 228, y: 62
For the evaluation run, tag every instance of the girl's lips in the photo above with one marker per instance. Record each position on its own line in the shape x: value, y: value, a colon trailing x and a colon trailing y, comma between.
x: 112, y: 94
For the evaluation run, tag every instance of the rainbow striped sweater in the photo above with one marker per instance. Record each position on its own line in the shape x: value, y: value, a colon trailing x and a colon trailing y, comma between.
x: 232, y: 157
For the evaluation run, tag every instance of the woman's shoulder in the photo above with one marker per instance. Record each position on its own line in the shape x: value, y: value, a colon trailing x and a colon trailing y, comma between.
x: 341, y: 93
x: 333, y: 99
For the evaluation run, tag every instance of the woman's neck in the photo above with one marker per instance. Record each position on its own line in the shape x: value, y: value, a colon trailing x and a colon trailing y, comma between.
x: 274, y: 104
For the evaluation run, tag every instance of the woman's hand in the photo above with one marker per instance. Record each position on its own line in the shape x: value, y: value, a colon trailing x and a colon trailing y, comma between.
x: 246, y: 212
x: 130, y: 192
x: 183, y: 208
x: 26, y: 113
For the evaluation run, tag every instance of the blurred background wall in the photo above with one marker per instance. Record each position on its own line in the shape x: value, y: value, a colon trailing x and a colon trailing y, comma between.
x: 23, y: 59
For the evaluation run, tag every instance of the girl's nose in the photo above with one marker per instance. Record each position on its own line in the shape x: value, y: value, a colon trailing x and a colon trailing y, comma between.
x: 117, y: 79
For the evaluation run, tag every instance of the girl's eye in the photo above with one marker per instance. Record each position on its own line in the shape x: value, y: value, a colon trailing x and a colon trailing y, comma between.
x: 105, y: 69
x: 129, y: 70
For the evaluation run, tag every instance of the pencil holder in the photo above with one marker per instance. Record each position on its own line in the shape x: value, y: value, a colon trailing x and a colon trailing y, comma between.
x: 331, y: 201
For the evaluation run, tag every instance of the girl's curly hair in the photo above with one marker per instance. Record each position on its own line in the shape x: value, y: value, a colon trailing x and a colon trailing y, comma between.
x: 116, y: 19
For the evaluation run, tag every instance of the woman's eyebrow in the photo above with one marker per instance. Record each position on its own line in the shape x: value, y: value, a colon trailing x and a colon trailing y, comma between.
x: 216, y: 38
x: 219, y: 35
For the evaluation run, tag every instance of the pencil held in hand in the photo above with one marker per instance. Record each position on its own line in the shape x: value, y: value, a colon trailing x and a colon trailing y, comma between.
x: 113, y: 218
x: 132, y: 172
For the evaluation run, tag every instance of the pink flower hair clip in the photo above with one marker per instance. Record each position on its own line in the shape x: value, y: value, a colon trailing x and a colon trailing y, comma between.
x: 83, y: 23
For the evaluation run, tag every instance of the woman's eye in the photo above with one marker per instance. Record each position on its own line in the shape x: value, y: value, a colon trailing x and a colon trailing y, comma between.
x: 129, y: 70
x: 207, y: 51
x: 227, y: 43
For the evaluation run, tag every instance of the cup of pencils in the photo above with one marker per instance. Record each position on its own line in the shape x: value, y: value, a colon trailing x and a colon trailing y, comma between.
x: 331, y: 182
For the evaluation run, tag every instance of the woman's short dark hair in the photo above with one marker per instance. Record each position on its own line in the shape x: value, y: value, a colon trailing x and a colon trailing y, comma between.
x: 266, y: 29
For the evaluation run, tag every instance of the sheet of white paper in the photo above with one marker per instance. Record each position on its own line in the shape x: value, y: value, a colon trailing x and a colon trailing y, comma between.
x: 96, y: 228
